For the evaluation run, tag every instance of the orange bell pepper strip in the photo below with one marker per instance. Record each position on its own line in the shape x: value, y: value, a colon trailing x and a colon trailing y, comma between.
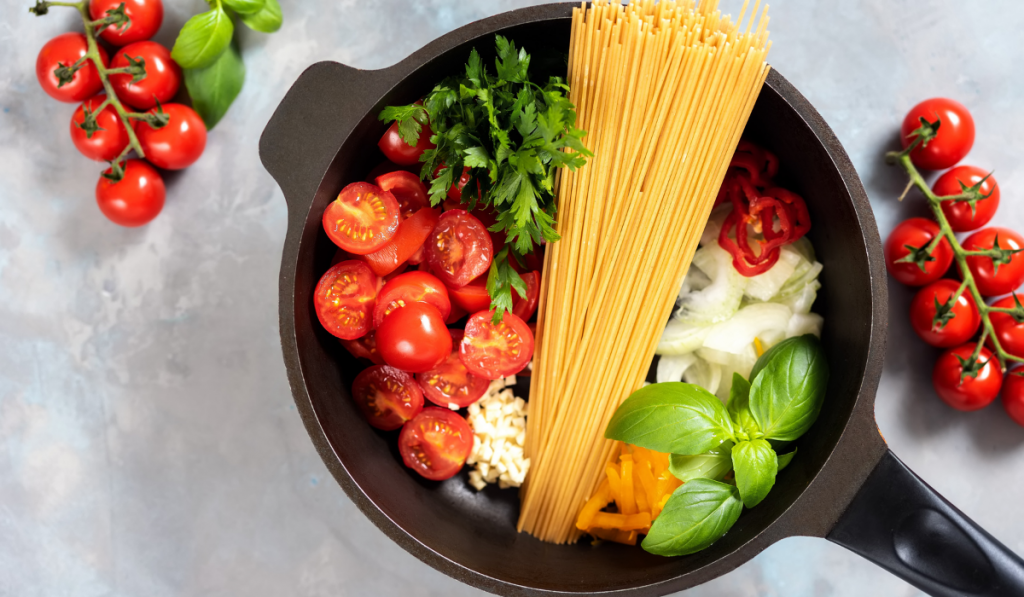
x: 622, y: 522
x: 600, y: 499
x: 628, y: 505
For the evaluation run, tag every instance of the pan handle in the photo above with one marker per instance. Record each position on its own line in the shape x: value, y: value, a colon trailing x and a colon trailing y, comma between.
x: 318, y: 113
x: 900, y: 523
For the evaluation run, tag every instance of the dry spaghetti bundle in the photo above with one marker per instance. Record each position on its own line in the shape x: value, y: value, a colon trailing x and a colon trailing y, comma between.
x: 664, y: 91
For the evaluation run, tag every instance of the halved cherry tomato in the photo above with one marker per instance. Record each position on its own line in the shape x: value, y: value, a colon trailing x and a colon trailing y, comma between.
x: 411, y: 287
x: 525, y: 308
x: 451, y: 382
x: 959, y: 213
x: 916, y: 233
x: 418, y: 257
x: 1013, y: 395
x: 407, y: 188
x: 1008, y: 329
x: 993, y: 281
x: 412, y: 233
x: 436, y: 443
x: 362, y: 219
x: 455, y: 192
x: 472, y: 297
x: 456, y: 314
x: 532, y: 261
x: 344, y: 299
x: 459, y: 249
x: 967, y: 392
x: 387, y: 397
x: 398, y: 151
x: 364, y: 347
x: 953, y: 140
x: 958, y: 328
x: 493, y: 351
x: 528, y: 371
x: 414, y: 338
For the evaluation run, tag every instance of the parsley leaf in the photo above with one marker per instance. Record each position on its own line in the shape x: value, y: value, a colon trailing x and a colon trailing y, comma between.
x: 511, y: 135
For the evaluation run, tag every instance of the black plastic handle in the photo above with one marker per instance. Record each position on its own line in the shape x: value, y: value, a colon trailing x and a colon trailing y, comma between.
x: 900, y: 523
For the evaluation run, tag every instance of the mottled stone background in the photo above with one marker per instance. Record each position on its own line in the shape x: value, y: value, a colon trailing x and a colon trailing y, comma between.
x: 148, y: 441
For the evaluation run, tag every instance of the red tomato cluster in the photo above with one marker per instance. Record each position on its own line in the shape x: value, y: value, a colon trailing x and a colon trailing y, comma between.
x: 139, y: 196
x: 398, y: 318
x: 943, y: 313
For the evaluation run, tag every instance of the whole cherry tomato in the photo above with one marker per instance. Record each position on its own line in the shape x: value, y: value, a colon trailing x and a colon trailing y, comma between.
x: 408, y: 189
x: 136, y: 199
x: 163, y: 75
x: 105, y: 143
x: 953, y: 140
x: 398, y: 151
x: 176, y: 145
x: 977, y: 387
x: 1008, y: 329
x: 960, y: 215
x: 1013, y: 395
x: 65, y: 50
x: 145, y: 19
x: 959, y: 319
x: 411, y: 287
x: 916, y: 234
x: 994, y: 280
x: 414, y: 338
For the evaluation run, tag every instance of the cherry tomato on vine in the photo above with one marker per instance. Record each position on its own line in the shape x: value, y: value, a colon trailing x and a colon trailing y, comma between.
x: 146, y: 17
x: 344, y: 299
x: 105, y: 143
x: 387, y: 397
x: 65, y: 50
x: 491, y: 351
x: 993, y: 280
x: 451, y: 382
x: 436, y: 443
x: 362, y: 219
x: 136, y: 199
x: 1013, y: 395
x: 973, y: 390
x: 178, y: 144
x: 953, y: 140
x: 414, y: 338
x: 958, y: 213
x: 459, y: 249
x: 398, y: 151
x: 163, y: 75
x: 411, y: 287
x: 960, y: 319
x: 1008, y: 330
x: 916, y: 233
x: 408, y: 189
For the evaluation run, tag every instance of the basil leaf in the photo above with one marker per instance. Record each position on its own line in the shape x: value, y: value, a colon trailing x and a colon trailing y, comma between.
x: 756, y: 465
x: 738, y: 407
x: 672, y: 417
x: 267, y: 20
x: 714, y: 464
x: 784, y: 459
x: 697, y: 515
x: 244, y: 7
x: 215, y: 87
x: 789, y: 389
x: 202, y: 39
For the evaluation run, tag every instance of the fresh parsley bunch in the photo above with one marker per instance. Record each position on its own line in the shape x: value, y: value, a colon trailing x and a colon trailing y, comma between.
x: 707, y: 440
x: 513, y: 135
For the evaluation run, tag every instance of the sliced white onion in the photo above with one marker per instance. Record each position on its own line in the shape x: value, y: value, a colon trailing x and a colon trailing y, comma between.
x: 764, y: 286
x: 801, y: 300
x: 737, y: 335
x: 714, y: 225
x: 719, y: 300
x: 704, y: 374
x: 680, y: 337
x: 672, y: 367
x: 801, y: 324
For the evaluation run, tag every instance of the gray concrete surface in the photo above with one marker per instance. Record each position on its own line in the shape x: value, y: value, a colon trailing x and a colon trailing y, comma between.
x: 148, y: 441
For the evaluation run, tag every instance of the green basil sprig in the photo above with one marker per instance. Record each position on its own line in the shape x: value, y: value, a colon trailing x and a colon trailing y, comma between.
x: 214, y: 71
x: 708, y: 440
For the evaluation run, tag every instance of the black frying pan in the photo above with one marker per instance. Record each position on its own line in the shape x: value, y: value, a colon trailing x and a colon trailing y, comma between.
x: 844, y: 485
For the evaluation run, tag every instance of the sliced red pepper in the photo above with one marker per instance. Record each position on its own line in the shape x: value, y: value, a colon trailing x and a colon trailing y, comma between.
x: 796, y: 208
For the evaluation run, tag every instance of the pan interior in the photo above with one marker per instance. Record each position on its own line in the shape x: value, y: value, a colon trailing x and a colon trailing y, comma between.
x: 477, y: 530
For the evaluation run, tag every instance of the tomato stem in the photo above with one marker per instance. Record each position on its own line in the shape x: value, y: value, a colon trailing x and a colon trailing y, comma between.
x: 960, y: 254
x: 93, y: 54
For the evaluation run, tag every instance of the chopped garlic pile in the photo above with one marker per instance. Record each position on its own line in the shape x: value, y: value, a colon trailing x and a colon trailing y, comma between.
x: 499, y: 433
